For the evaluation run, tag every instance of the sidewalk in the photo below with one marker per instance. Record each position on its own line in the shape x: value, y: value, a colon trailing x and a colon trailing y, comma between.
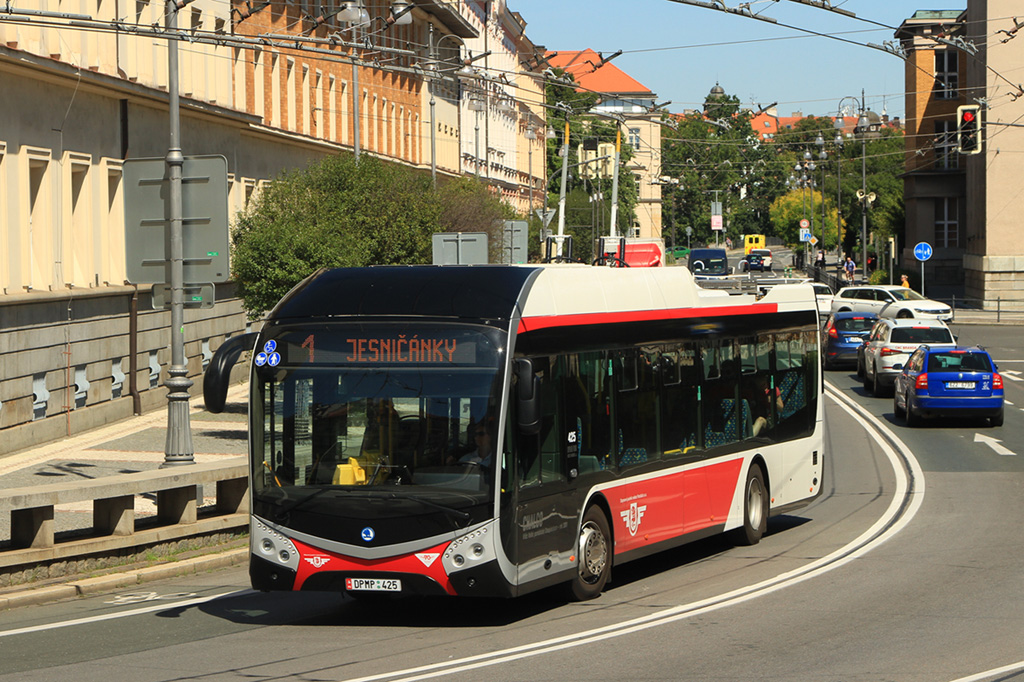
x: 131, y: 445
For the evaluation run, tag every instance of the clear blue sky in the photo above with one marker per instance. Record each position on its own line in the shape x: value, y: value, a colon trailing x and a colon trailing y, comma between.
x: 680, y: 51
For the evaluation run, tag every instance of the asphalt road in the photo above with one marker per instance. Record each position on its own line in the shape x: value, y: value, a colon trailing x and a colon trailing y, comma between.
x: 895, y: 573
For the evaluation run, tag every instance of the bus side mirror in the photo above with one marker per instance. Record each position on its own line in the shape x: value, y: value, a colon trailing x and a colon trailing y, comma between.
x: 527, y: 398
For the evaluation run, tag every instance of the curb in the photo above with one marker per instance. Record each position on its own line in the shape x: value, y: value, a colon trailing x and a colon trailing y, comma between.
x: 116, y: 581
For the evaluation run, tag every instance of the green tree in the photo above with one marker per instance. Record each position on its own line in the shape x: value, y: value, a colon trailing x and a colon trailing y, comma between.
x: 340, y: 212
x: 715, y: 153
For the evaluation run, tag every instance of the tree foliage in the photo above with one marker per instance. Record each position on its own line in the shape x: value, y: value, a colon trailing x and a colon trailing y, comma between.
x: 340, y: 212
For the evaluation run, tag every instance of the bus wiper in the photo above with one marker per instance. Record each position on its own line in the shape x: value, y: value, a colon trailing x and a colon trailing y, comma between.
x: 283, y: 511
x: 465, y: 516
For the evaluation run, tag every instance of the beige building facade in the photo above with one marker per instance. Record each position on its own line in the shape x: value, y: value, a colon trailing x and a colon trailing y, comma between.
x: 269, y: 87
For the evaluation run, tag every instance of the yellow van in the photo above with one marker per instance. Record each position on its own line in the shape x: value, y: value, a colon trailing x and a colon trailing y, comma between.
x: 752, y: 241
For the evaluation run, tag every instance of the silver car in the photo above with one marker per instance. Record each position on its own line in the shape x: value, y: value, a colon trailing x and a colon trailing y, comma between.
x: 890, y: 344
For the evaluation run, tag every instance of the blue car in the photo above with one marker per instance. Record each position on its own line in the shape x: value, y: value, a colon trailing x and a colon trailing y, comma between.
x: 959, y: 381
x: 842, y: 335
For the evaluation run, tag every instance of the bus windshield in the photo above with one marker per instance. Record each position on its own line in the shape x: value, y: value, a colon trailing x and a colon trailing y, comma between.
x: 346, y: 410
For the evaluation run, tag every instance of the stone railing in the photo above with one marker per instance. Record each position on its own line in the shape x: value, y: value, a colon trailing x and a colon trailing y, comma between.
x: 114, y: 527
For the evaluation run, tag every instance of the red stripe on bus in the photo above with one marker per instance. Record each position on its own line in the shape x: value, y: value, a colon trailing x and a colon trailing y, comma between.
x: 617, y: 317
x: 649, y: 511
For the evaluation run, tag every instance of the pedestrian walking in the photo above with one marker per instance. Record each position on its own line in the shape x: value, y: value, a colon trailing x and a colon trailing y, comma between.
x: 905, y: 281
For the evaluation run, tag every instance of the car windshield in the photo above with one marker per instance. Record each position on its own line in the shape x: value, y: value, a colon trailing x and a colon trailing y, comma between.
x: 959, y: 361
x: 921, y: 335
x: 854, y: 324
x: 710, y: 265
x: 904, y: 294
x: 822, y: 290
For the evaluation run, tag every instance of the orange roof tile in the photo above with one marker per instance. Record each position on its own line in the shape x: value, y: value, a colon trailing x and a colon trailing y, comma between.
x: 583, y: 66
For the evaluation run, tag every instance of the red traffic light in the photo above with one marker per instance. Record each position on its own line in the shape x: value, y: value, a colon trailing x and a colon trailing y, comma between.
x: 968, y: 117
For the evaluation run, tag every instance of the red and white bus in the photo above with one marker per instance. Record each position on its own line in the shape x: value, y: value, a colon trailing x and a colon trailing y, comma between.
x: 627, y: 410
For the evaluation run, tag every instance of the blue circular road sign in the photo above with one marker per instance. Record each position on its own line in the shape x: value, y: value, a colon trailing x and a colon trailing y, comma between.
x: 923, y: 251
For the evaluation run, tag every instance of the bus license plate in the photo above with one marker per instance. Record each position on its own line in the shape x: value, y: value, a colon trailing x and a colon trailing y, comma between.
x: 960, y: 384
x: 373, y: 584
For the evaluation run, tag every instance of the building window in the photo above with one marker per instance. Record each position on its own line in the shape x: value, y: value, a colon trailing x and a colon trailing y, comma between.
x: 946, y: 156
x: 946, y: 74
x: 634, y: 138
x: 947, y: 229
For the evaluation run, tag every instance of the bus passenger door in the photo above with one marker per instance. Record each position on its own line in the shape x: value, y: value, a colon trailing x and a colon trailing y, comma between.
x: 546, y: 507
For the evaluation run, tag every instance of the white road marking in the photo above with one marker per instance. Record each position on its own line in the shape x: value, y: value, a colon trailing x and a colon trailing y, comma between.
x: 1011, y: 374
x: 118, y: 614
x: 994, y: 443
x: 909, y: 490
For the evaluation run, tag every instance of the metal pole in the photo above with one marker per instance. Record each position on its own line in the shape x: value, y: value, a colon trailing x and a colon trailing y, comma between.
x: 355, y: 96
x: 433, y: 119
x: 178, y: 446
x: 529, y: 162
x: 864, y: 188
x: 613, y: 229
x: 476, y: 147
x: 561, y: 195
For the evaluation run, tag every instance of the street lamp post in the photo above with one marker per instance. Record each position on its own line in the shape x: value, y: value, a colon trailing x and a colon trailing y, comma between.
x: 531, y: 135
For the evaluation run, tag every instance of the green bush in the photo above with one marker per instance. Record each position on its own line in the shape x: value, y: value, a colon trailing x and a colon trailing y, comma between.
x: 879, y: 277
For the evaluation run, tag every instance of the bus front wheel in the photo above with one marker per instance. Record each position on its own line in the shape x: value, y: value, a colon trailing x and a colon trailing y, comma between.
x: 755, y: 508
x: 595, y: 556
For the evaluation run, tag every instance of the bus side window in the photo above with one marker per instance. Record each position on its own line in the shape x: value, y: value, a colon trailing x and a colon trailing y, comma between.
x: 679, y: 406
x: 591, y: 415
x: 636, y: 407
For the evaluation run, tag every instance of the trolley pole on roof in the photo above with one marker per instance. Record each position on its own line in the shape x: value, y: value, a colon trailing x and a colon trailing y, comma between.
x: 613, y: 230
x: 561, y: 196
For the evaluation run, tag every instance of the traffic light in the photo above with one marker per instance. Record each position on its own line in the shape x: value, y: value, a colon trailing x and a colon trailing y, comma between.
x: 968, y: 129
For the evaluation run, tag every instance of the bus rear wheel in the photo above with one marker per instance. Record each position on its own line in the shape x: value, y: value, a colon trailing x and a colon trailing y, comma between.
x: 595, y: 556
x: 755, y: 508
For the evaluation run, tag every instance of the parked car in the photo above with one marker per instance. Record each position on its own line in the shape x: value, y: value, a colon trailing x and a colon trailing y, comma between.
x: 890, y: 301
x: 680, y: 252
x: 751, y: 262
x: 959, y: 381
x: 842, y: 335
x: 890, y: 344
x: 708, y: 263
x: 823, y: 294
x: 766, y: 256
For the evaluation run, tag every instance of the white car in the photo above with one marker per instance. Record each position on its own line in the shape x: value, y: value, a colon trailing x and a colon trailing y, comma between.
x: 890, y: 344
x: 823, y: 294
x: 887, y: 300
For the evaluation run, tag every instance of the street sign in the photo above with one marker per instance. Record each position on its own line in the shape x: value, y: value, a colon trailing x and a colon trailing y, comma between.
x: 923, y: 251
x: 545, y: 214
x: 194, y: 295
x: 805, y: 223
x: 460, y: 248
x: 813, y: 241
x: 689, y: 230
x: 514, y: 241
x: 805, y: 234
x: 204, y: 219
x: 716, y: 222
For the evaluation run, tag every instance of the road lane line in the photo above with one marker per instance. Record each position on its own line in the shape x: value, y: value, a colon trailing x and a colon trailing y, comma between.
x: 907, y: 500
x: 164, y: 606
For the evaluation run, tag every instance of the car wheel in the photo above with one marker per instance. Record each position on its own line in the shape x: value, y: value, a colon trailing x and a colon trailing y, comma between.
x: 878, y: 388
x: 896, y: 409
x: 755, y: 508
x: 904, y: 314
x: 860, y: 367
x: 913, y: 419
x: 595, y: 556
x: 996, y: 420
x: 869, y: 382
